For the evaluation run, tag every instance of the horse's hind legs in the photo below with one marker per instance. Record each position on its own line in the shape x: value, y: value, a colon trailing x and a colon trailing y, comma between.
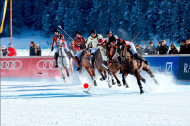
x: 143, y: 80
x: 151, y: 75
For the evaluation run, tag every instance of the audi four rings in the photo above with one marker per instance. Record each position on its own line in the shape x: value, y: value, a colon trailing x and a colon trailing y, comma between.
x: 46, y: 65
x: 11, y: 65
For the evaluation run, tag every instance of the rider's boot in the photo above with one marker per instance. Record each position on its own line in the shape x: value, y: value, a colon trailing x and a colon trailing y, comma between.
x: 140, y: 58
x: 119, y: 60
x: 92, y: 60
x: 77, y: 63
x: 56, y: 58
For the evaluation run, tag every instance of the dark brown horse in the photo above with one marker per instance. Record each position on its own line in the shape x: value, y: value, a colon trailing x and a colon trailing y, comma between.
x: 130, y: 66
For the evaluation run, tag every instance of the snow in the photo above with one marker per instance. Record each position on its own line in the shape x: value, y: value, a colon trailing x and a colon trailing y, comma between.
x: 52, y: 102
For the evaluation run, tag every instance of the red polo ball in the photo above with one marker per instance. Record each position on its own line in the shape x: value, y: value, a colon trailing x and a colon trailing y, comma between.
x: 85, y: 85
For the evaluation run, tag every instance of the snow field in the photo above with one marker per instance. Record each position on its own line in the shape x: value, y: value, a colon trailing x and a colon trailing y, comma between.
x: 52, y: 102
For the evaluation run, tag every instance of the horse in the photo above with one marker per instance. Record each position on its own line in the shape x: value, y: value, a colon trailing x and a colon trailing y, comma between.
x: 85, y: 62
x: 130, y: 66
x: 113, y: 67
x: 63, y: 60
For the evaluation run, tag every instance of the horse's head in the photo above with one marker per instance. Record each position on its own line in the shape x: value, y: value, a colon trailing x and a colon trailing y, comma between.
x: 125, y: 53
x: 86, y: 52
x: 59, y: 43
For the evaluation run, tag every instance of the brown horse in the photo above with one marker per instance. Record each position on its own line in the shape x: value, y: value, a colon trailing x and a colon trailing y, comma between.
x: 130, y: 66
x: 86, y: 63
x: 114, y: 65
x: 98, y: 64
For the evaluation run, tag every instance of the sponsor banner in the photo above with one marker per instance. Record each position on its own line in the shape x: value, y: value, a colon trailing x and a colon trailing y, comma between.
x: 167, y: 64
x: 184, y: 68
x: 29, y: 67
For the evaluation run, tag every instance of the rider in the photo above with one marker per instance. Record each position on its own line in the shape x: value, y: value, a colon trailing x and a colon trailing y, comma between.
x: 95, y: 41
x: 79, y: 44
x: 132, y: 49
x: 54, y: 40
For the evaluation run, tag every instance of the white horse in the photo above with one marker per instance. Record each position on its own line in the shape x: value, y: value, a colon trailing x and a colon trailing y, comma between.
x: 63, y: 60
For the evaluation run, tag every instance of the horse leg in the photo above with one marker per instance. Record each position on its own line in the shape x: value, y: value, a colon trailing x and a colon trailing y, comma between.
x: 67, y: 71
x: 63, y: 75
x: 109, y: 81
x: 138, y: 81
x: 113, y: 81
x: 104, y: 76
x: 146, y: 69
x: 71, y: 66
x: 143, y: 80
x: 118, y: 82
x: 91, y: 75
x: 124, y: 75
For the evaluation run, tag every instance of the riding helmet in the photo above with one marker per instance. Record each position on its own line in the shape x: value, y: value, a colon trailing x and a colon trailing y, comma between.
x: 56, y: 30
x: 93, y: 32
x: 108, y: 32
x: 78, y: 32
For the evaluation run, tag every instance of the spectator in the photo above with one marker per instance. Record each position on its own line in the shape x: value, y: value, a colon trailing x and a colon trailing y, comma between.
x: 32, y: 49
x: 37, y: 50
x: 4, y: 51
x: 173, y: 49
x: 188, y: 46
x: 182, y: 47
x: 140, y: 49
x: 163, y: 49
x: 12, y: 51
x: 158, y: 47
x: 150, y: 49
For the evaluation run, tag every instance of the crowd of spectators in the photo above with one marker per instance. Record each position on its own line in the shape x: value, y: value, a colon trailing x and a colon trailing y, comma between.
x: 162, y: 48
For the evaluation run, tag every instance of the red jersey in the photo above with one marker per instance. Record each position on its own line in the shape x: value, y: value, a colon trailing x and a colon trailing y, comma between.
x: 54, y: 40
x: 12, y: 52
x: 80, y: 41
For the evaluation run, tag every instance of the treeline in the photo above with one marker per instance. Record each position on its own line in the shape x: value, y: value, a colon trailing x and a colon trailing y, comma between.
x: 163, y: 19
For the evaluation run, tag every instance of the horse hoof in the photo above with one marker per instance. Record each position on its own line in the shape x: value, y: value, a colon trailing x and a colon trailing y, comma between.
x: 63, y: 78
x: 101, y: 79
x: 113, y: 83
x: 68, y: 75
x: 110, y: 86
x: 141, y: 92
x: 95, y: 84
x: 143, y: 80
x: 127, y: 86
x: 119, y: 85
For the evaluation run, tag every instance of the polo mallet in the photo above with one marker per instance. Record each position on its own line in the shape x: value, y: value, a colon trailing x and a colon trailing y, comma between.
x: 135, y: 37
x: 91, y: 86
x: 49, y: 53
x: 67, y: 34
x: 105, y: 67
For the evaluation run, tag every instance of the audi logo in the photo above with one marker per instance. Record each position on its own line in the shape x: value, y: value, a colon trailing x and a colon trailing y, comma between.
x: 11, y: 65
x: 46, y: 65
